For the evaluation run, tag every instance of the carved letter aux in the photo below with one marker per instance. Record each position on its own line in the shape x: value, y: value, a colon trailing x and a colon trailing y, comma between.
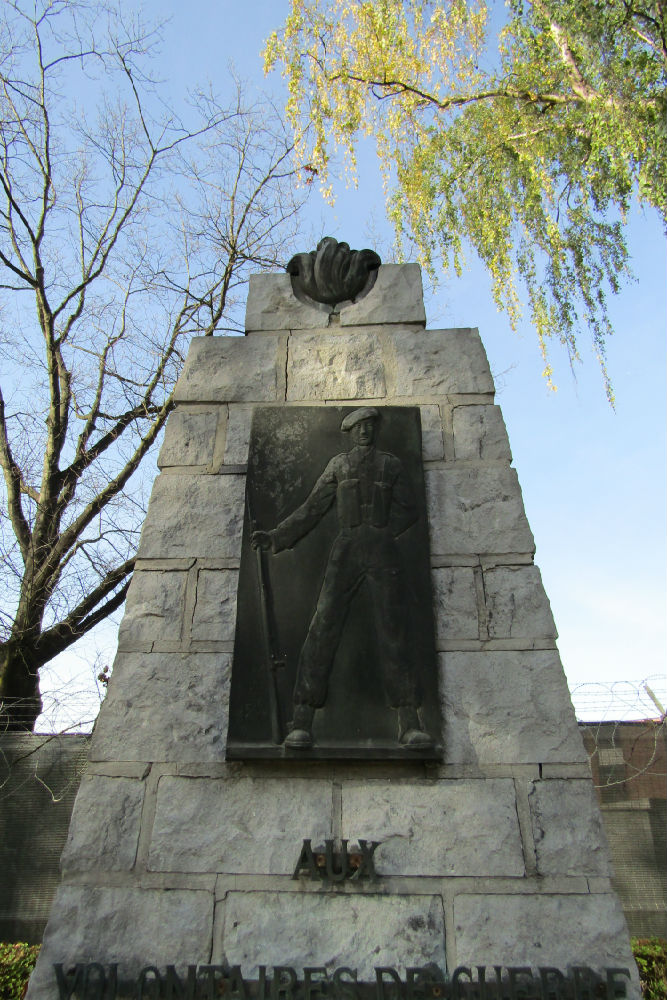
x: 328, y: 865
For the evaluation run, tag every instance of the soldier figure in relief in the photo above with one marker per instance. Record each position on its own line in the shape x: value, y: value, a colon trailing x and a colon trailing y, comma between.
x: 374, y: 505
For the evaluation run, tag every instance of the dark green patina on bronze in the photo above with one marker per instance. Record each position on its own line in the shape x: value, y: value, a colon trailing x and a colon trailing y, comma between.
x: 333, y: 273
x: 334, y: 653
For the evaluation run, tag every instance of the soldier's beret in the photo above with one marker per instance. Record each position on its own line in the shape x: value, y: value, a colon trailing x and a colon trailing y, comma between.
x: 363, y: 413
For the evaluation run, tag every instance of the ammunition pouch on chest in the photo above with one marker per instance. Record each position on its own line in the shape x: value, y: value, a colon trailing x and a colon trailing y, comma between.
x: 352, y: 512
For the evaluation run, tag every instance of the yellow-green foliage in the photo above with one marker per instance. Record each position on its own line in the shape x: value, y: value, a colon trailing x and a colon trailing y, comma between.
x: 651, y: 958
x: 16, y: 963
x: 529, y: 154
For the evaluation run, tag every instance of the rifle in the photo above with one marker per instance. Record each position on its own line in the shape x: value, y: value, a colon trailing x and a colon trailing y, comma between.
x: 274, y: 661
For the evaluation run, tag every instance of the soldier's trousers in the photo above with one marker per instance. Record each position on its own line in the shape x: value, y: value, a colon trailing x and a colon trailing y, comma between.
x: 367, y: 555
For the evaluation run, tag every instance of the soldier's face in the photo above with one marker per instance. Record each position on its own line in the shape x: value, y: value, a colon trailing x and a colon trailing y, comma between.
x: 363, y: 433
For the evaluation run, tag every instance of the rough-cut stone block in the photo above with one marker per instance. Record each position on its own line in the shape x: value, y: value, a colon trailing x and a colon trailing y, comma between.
x: 542, y: 930
x: 516, y: 603
x: 438, y: 362
x: 165, y: 706
x: 449, y: 828
x: 104, y: 831
x: 238, y: 434
x: 455, y: 603
x: 215, y: 609
x: 475, y: 510
x: 272, y: 305
x: 247, y: 825
x: 134, y: 927
x: 396, y: 297
x: 340, y: 366
x: 154, y: 607
x: 307, y: 930
x: 508, y: 708
x: 479, y: 433
x: 567, y: 828
x: 189, y: 438
x: 195, y: 516
x: 432, y: 441
x: 233, y: 369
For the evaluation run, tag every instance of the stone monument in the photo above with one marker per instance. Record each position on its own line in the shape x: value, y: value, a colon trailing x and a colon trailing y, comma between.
x: 409, y: 845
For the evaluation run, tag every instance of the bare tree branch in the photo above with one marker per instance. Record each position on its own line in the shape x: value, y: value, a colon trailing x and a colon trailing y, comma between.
x: 87, y: 614
x: 13, y: 477
x: 133, y: 230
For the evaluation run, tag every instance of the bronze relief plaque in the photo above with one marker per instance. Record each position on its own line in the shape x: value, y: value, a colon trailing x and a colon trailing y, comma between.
x: 334, y: 654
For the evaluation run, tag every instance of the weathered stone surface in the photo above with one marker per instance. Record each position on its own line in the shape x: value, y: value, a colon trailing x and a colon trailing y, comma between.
x: 154, y: 607
x: 233, y: 369
x: 500, y: 708
x: 462, y: 827
x: 567, y: 828
x: 238, y: 434
x: 338, y: 366
x: 508, y: 707
x: 189, y: 438
x: 479, y: 433
x: 134, y: 927
x: 475, y: 510
x: 215, y: 609
x: 432, y: 441
x: 516, y: 603
x: 304, y: 929
x: 438, y: 362
x: 558, y: 931
x: 396, y: 297
x: 104, y: 831
x: 272, y: 305
x: 165, y: 706
x: 204, y: 824
x: 455, y: 603
x: 195, y: 516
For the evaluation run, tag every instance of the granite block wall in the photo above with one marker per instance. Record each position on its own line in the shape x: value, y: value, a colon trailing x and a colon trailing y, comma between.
x: 496, y: 855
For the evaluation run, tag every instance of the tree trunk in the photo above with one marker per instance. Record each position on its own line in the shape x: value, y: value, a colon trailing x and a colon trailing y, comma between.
x: 20, y: 700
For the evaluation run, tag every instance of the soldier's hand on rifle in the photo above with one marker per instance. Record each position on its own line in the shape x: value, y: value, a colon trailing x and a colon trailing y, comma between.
x: 261, y: 540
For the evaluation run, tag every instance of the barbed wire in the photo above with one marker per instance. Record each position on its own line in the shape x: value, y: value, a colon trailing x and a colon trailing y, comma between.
x: 51, y: 755
x: 621, y: 701
x: 623, y: 724
x: 624, y: 728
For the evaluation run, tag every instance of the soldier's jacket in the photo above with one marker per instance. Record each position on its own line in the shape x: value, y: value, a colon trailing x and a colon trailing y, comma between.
x: 370, y: 488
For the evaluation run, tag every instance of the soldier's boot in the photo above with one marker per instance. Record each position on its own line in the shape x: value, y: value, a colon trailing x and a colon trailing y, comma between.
x: 300, y: 736
x: 410, y: 732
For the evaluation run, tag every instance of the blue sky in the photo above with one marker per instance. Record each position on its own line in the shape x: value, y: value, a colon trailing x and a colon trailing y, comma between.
x: 593, y: 479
